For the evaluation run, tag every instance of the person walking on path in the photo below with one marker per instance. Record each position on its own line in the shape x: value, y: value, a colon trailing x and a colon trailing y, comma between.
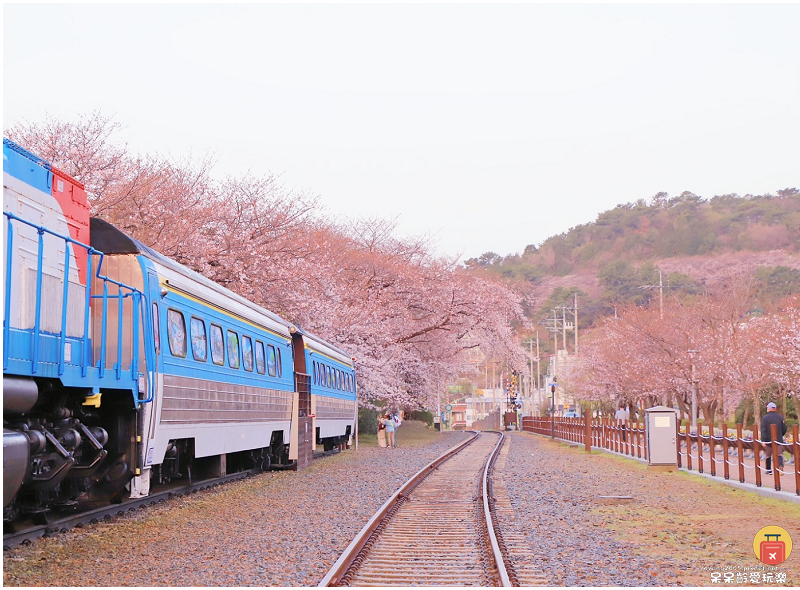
x: 621, y: 417
x: 390, y: 428
x: 772, y: 417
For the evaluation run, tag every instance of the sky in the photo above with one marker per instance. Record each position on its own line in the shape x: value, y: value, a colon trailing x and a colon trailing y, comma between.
x: 487, y: 127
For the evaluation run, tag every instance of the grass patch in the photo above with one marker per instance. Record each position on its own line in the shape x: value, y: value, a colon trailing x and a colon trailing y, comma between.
x: 411, y: 433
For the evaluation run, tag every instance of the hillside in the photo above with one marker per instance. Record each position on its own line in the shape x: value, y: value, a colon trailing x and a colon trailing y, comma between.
x: 694, y: 242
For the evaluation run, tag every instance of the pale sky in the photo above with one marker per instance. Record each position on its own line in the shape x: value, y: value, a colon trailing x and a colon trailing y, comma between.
x: 489, y: 127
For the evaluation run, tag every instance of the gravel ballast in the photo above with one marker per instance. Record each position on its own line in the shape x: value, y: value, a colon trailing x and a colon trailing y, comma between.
x: 675, y: 530
x: 288, y: 528
x: 279, y: 528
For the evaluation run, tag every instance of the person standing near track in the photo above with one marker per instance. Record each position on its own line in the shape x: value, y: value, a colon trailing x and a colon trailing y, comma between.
x: 772, y: 417
x: 390, y: 428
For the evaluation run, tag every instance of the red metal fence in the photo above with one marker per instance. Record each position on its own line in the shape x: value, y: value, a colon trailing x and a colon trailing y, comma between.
x: 715, y: 452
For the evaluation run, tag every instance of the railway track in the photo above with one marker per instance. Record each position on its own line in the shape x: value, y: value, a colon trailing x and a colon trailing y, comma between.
x: 438, y: 529
x: 66, y: 523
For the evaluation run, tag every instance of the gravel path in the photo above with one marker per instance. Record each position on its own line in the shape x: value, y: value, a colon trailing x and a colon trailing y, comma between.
x: 278, y: 529
x: 275, y: 529
x: 676, y: 531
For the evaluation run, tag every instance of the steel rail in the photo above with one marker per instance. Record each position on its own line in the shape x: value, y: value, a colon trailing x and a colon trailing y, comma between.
x: 491, y: 525
x: 355, y: 554
x: 349, y: 555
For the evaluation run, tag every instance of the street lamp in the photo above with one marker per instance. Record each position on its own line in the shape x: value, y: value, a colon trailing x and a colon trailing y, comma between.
x: 694, y: 390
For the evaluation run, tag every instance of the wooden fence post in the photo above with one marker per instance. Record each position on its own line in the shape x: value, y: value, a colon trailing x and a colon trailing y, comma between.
x: 689, y: 446
x: 740, y: 450
x: 757, y: 459
x: 587, y: 431
x: 640, y: 439
x: 712, y: 448
x: 700, y: 447
x: 726, y: 472
x: 796, y: 455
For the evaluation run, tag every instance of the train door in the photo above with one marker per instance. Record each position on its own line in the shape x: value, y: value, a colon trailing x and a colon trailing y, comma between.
x: 305, y: 425
x: 148, y: 412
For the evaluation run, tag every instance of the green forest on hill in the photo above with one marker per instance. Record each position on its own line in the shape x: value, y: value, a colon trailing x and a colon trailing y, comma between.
x: 622, y: 249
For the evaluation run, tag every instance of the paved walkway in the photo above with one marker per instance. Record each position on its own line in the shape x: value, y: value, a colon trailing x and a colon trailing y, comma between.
x: 788, y: 482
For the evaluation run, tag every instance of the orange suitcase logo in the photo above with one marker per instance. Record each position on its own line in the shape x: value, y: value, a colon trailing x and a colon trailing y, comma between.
x: 772, y: 545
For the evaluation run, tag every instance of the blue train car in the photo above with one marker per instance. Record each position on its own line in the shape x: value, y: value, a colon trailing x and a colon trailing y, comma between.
x: 133, y: 371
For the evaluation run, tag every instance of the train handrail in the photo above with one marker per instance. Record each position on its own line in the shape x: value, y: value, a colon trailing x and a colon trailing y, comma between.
x: 124, y: 292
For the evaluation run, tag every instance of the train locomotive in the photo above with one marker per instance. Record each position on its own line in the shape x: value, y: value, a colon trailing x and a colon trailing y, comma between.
x: 124, y: 370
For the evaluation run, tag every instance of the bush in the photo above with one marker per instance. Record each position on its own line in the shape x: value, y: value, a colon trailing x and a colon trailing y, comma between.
x: 422, y: 416
x: 367, y: 421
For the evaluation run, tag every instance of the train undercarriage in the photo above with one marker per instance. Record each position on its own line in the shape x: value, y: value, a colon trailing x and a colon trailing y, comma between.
x: 67, y: 450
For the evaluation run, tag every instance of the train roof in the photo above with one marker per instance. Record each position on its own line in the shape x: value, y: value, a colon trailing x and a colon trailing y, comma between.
x: 319, y: 345
x: 110, y: 240
x: 14, y: 169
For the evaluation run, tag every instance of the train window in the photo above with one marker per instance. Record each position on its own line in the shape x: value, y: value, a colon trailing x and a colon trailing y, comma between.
x: 272, y: 361
x: 217, y: 345
x: 261, y: 364
x: 156, y: 328
x: 339, y: 379
x: 176, y: 333
x: 198, y: 331
x: 247, y: 353
x: 329, y: 377
x: 233, y: 350
x: 280, y: 364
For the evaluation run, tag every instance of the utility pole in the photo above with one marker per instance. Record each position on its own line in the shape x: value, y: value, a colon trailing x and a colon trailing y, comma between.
x: 576, y: 323
x: 694, y: 392
x: 439, y: 405
x: 660, y: 295
x: 538, y: 377
x: 532, y: 381
x: 555, y: 351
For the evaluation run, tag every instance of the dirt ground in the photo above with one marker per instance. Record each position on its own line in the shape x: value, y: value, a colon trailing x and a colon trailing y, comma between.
x: 687, y: 526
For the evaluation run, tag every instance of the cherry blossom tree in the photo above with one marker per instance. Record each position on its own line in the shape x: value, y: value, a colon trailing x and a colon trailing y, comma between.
x: 408, y: 317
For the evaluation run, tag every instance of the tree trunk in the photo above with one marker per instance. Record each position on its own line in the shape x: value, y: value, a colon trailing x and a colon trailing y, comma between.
x: 746, y: 415
x: 709, y: 409
x: 756, y: 414
x: 685, y: 411
x: 783, y: 403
